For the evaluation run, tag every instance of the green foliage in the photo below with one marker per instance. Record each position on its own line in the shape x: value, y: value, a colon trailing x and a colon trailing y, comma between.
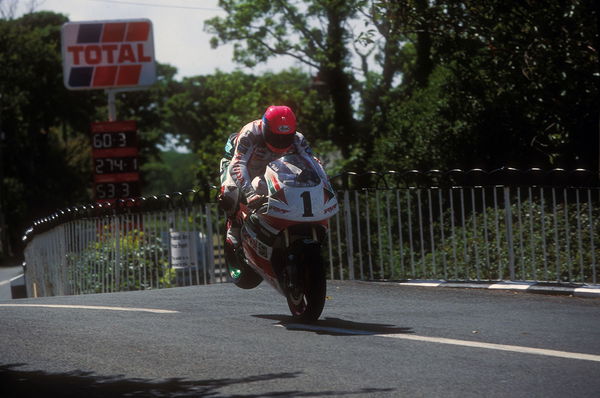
x: 45, y: 148
x: 470, y: 234
x: 519, y: 88
x: 263, y: 29
x: 418, y: 133
x: 316, y: 34
x: 42, y: 123
x: 392, y: 85
x: 460, y: 83
x: 548, y: 244
x: 131, y: 260
x: 174, y: 172
x: 147, y: 108
x: 210, y: 108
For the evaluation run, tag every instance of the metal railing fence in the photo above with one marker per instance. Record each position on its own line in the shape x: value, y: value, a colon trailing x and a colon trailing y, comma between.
x: 459, y: 225
x: 148, y: 243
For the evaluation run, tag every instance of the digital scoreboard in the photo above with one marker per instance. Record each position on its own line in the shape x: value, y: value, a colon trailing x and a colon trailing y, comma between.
x: 115, y: 160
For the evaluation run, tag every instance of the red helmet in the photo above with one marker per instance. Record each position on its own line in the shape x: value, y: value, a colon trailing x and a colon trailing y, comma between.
x: 279, y: 128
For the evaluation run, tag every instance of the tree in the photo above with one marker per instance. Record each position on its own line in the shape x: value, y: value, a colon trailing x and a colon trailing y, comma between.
x: 8, y: 8
x: 522, y: 82
x: 43, y: 148
x: 211, y: 108
x: 147, y: 108
x: 319, y: 34
x: 517, y: 85
x: 173, y: 172
x: 46, y: 151
x: 539, y: 65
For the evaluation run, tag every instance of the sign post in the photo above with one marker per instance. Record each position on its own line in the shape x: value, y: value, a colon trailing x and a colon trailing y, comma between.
x: 112, y: 107
x: 116, y: 56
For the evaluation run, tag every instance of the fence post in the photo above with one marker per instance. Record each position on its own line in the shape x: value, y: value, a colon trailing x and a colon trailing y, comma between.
x: 349, y: 245
x: 211, y: 245
x: 116, y: 225
x: 509, y: 233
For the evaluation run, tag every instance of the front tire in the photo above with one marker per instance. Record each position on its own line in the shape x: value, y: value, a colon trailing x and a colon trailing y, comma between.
x: 306, y: 285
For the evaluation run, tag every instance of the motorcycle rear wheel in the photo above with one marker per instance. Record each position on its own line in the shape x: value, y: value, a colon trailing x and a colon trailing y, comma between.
x: 306, y: 295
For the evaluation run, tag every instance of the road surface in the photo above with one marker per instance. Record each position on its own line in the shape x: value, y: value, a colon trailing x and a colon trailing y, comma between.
x: 374, y: 340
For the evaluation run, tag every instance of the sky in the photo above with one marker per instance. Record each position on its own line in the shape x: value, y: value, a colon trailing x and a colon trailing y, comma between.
x: 179, y: 36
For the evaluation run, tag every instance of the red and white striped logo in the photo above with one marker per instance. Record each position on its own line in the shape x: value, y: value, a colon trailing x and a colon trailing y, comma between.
x: 108, y: 54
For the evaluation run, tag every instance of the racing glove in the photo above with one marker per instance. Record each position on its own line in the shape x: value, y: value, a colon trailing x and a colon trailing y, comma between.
x: 255, y: 201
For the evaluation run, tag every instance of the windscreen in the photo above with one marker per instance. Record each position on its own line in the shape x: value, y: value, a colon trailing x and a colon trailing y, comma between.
x: 295, y: 171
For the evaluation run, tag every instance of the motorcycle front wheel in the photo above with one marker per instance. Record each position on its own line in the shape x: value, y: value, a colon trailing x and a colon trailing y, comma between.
x: 306, y: 285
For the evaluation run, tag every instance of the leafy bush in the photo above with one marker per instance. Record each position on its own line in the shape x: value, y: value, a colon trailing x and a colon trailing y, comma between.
x: 116, y: 261
x: 468, y: 234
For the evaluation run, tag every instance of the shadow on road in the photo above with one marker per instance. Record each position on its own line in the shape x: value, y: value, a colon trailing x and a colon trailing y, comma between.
x: 336, y: 326
x: 15, y: 382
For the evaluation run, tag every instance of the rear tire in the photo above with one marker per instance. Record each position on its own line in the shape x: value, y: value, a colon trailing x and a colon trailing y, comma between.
x: 306, y: 295
x: 239, y: 273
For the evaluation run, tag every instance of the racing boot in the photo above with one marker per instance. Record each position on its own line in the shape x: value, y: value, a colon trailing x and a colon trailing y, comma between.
x: 232, y: 242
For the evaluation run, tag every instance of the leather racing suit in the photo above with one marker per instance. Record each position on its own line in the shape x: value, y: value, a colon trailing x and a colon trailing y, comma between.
x: 249, y: 159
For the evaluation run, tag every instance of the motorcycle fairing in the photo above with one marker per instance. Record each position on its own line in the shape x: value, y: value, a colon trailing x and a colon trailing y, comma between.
x: 258, y: 253
x: 297, y: 192
x: 300, y: 203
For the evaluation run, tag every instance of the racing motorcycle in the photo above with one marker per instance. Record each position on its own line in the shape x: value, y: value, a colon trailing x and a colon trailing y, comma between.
x: 281, y: 240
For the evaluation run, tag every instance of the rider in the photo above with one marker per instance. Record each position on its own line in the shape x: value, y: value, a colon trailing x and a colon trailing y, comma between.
x: 247, y: 154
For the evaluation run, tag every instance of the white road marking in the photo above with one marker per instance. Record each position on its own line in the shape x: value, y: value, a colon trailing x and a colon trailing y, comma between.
x: 421, y: 284
x: 499, y: 347
x: 93, y: 307
x: 441, y: 340
x: 586, y: 290
x: 511, y: 286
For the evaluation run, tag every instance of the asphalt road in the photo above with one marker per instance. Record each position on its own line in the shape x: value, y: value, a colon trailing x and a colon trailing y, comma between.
x: 374, y: 340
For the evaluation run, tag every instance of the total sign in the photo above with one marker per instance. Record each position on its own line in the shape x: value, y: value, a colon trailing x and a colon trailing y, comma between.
x: 108, y: 54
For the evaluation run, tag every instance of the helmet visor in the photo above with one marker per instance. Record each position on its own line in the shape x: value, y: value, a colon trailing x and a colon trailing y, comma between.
x: 280, y: 142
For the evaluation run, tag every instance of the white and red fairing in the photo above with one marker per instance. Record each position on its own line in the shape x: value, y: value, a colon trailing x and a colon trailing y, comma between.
x: 298, y: 193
